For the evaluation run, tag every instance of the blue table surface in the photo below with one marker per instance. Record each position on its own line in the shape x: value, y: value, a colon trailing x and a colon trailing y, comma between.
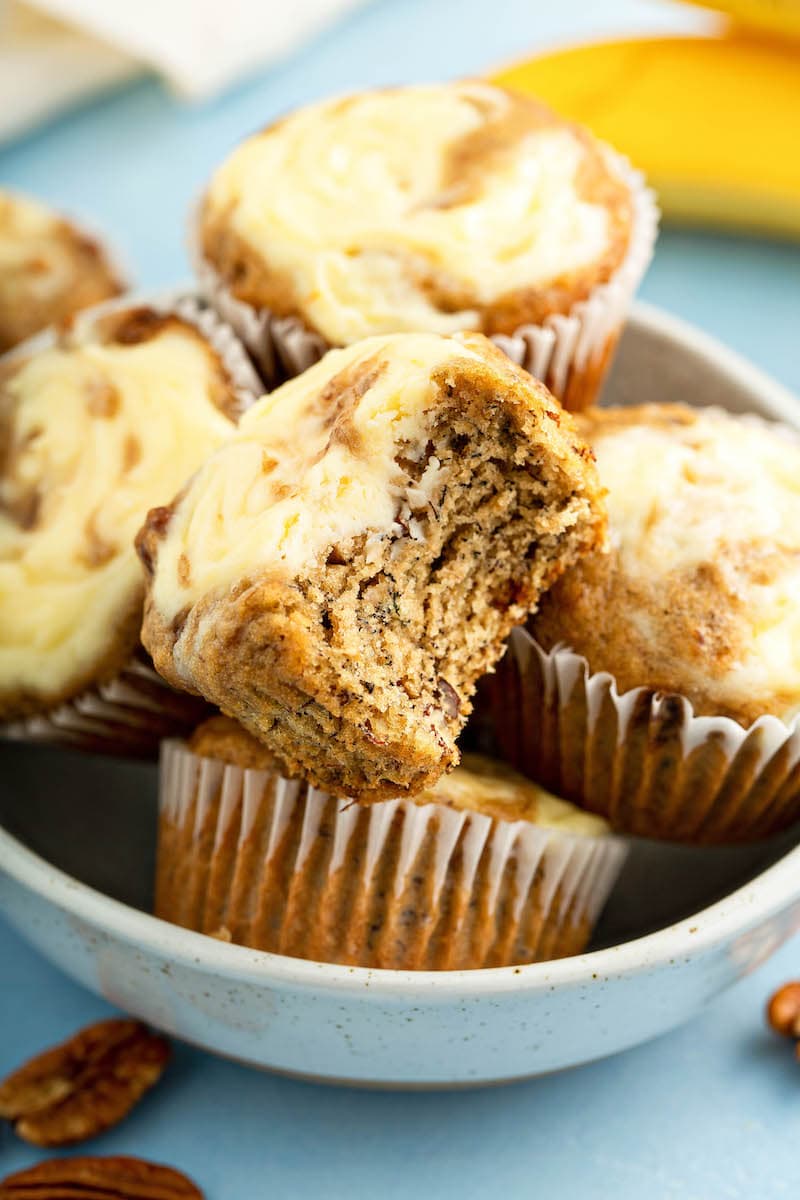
x: 707, y: 1113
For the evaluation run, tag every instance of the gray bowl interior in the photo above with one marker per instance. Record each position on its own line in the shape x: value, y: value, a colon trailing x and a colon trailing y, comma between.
x: 95, y: 818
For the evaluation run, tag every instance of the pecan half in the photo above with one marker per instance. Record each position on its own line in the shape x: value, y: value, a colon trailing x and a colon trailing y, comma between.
x: 87, y: 1084
x: 783, y: 1010
x: 102, y: 1178
x: 448, y: 696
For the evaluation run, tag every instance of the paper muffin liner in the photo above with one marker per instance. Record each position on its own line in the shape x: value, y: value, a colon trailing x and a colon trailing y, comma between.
x: 281, y: 347
x: 641, y: 758
x: 128, y: 716
x: 254, y: 858
x: 246, y: 382
x: 132, y: 713
x: 571, y: 353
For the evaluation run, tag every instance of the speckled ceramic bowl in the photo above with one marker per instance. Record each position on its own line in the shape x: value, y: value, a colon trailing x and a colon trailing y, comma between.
x: 683, y: 924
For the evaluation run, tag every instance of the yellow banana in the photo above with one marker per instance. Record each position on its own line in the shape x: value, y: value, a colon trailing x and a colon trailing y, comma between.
x: 714, y: 122
x: 774, y: 16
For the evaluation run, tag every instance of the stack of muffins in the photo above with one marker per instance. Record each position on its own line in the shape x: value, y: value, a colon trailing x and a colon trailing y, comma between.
x: 407, y: 526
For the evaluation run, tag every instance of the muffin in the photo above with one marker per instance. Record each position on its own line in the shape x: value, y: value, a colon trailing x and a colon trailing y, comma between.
x: 97, y: 423
x: 49, y: 269
x: 484, y: 869
x: 453, y: 207
x: 674, y: 710
x: 338, y: 575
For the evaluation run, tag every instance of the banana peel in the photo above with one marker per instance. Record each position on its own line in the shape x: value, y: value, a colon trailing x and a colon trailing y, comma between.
x: 714, y: 122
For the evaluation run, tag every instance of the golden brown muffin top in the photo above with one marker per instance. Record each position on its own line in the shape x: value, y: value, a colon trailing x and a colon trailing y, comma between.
x: 48, y: 269
x: 700, y: 592
x: 222, y: 738
x: 95, y: 427
x: 339, y: 575
x: 443, y: 207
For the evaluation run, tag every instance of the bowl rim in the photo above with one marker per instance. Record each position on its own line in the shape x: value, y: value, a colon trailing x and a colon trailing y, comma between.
x: 770, y: 892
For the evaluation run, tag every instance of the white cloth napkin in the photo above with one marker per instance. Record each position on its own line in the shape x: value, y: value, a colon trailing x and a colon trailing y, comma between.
x: 56, y: 52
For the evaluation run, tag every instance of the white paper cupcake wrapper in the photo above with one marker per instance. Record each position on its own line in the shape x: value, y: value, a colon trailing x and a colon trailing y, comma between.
x: 281, y: 347
x: 221, y: 337
x: 277, y: 865
x: 570, y: 353
x: 134, y: 711
x: 640, y: 758
x: 128, y: 716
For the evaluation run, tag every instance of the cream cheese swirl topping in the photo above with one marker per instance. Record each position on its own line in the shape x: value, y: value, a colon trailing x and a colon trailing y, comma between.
x: 91, y: 436
x: 312, y: 464
x: 722, y: 490
x: 408, y: 209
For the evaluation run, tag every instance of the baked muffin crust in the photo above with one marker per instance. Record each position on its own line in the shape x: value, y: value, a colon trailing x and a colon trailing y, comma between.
x: 226, y: 740
x: 459, y: 206
x: 94, y: 428
x: 699, y: 594
x: 479, y: 784
x: 48, y: 269
x: 338, y: 576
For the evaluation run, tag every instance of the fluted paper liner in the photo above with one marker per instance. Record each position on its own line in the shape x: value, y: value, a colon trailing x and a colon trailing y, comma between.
x: 274, y: 864
x: 128, y: 716
x: 640, y: 758
x: 571, y: 353
x: 223, y: 339
x: 132, y: 713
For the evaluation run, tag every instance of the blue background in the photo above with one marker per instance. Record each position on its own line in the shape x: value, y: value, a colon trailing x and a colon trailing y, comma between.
x: 707, y: 1113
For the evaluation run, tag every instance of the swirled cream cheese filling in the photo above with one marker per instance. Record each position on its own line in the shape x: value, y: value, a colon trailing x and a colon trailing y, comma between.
x: 36, y: 242
x: 48, y: 269
x: 720, y: 490
x: 312, y: 464
x: 410, y: 208
x: 91, y: 436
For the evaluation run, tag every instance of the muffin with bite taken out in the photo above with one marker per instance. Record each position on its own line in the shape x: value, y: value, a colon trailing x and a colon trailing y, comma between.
x: 340, y: 573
